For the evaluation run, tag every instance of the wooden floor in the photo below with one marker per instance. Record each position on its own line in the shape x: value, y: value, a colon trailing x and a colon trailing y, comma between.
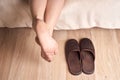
x: 20, y: 56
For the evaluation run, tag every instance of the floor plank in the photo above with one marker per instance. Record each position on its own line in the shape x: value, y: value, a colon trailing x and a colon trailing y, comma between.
x: 20, y: 57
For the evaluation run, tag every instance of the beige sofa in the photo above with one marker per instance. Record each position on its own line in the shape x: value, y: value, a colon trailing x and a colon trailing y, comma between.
x: 76, y: 14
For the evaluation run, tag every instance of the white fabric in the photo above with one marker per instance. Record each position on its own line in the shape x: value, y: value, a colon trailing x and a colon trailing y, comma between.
x: 76, y: 14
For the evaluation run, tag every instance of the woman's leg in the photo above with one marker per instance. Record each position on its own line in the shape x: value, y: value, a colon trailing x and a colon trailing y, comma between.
x: 45, y: 15
x: 52, y: 12
x: 38, y: 10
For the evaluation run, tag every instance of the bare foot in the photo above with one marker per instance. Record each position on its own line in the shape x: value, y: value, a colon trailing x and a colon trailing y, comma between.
x: 49, y: 46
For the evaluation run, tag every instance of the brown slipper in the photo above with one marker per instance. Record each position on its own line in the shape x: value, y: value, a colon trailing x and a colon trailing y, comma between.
x: 87, y: 53
x: 72, y: 53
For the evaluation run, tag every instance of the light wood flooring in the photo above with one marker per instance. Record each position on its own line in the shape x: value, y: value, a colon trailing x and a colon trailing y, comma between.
x: 20, y: 57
